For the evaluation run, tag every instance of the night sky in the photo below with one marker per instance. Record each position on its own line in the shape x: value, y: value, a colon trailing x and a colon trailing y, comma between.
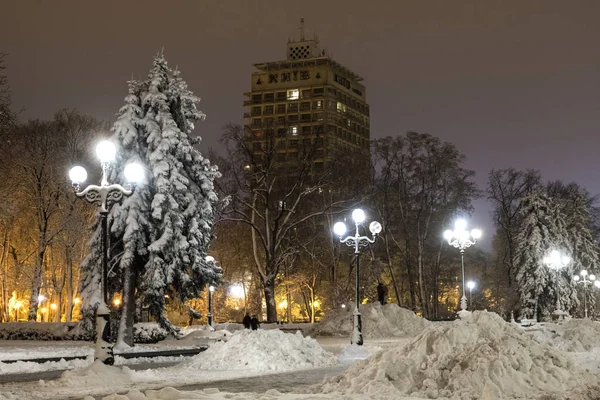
x: 511, y: 83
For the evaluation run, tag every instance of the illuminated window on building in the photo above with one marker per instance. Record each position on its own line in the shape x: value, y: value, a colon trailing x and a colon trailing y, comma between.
x: 293, y: 94
x: 318, y: 105
x: 293, y: 130
x: 341, y: 107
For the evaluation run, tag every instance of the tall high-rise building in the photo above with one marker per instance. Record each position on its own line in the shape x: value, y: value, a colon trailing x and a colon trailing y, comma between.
x: 307, y: 99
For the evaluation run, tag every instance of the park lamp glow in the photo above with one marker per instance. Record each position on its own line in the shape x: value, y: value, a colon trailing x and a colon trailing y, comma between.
x: 237, y: 291
x: 106, y: 151
x: 471, y: 285
x: 556, y: 260
x: 211, y: 288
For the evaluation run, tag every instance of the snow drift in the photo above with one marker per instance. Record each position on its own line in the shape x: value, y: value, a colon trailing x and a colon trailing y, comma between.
x: 377, y: 322
x: 263, y: 350
x: 575, y: 335
x: 482, y: 358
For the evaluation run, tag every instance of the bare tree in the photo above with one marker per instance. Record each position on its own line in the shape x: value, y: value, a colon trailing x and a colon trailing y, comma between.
x: 420, y: 185
x: 506, y: 188
x: 274, y: 192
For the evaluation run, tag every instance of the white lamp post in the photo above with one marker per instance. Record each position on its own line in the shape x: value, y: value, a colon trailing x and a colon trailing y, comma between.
x: 462, y: 239
x: 585, y: 279
x: 357, y: 241
x: 471, y: 286
x: 556, y: 261
x: 105, y: 196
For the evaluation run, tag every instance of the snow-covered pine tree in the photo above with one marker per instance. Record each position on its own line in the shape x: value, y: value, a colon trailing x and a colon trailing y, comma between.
x: 160, y: 235
x: 575, y: 204
x: 541, y: 229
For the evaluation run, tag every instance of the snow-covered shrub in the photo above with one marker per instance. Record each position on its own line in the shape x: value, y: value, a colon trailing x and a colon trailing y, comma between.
x: 377, y: 321
x: 39, y: 331
x: 148, y: 332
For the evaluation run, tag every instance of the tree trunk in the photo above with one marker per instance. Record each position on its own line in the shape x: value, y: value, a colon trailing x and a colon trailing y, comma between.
x: 69, y: 310
x: 269, y: 291
x: 391, y: 269
x: 125, y: 335
x: 36, y: 285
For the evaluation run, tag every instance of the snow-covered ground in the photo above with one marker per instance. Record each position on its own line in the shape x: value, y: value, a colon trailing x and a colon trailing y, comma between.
x: 480, y: 357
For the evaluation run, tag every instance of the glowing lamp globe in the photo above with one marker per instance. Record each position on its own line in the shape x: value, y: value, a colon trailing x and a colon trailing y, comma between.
x: 583, y: 272
x: 106, y: 151
x: 134, y: 173
x: 77, y: 174
x: 470, y: 284
x: 460, y: 225
x: 592, y: 277
x: 211, y: 288
x: 576, y: 278
x: 339, y: 228
x: 448, y: 234
x: 476, y: 233
x: 358, y: 215
x: 565, y: 260
x: 375, y: 227
x: 597, y: 284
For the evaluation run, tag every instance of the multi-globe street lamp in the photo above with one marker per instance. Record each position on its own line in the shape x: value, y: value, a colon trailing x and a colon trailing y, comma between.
x: 556, y: 261
x: 461, y: 239
x: 105, y: 196
x: 471, y: 286
x: 585, y: 279
x: 358, y: 242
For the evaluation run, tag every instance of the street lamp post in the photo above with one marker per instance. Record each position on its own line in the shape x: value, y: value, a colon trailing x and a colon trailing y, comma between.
x: 357, y: 241
x: 556, y: 261
x: 211, y: 289
x: 585, y: 279
x: 471, y: 286
x: 461, y: 239
x: 104, y: 196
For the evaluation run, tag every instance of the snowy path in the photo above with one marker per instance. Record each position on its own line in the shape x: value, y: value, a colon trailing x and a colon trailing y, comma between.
x: 284, y: 382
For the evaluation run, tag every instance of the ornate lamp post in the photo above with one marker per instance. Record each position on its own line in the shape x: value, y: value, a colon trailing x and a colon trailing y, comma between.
x: 104, y: 196
x: 462, y: 239
x: 585, y: 279
x: 358, y: 242
x: 471, y: 286
x: 556, y: 261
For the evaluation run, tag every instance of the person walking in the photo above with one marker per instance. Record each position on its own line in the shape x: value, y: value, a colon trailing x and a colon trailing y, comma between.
x: 254, y: 323
x: 247, y: 321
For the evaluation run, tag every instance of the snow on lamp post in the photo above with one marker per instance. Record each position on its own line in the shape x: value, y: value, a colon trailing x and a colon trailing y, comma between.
x: 461, y: 239
x: 357, y: 241
x: 556, y: 261
x: 585, y: 279
x: 471, y: 286
x: 105, y: 196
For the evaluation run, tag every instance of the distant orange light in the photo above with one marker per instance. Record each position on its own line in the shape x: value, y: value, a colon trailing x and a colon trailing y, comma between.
x: 116, y: 302
x: 53, y: 306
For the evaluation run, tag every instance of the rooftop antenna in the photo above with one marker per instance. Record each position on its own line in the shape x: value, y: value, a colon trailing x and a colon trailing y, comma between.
x: 302, y: 29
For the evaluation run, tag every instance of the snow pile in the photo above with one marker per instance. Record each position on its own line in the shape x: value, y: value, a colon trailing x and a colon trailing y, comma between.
x: 94, y: 374
x: 263, y: 350
x: 377, y: 322
x: 576, y: 335
x: 482, y: 357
